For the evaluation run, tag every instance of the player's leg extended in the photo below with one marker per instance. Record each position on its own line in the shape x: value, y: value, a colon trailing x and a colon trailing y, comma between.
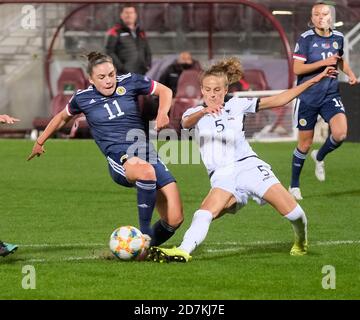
x: 286, y: 205
x: 211, y: 207
x: 143, y: 175
x: 169, y: 206
x: 305, y: 140
x: 338, y: 128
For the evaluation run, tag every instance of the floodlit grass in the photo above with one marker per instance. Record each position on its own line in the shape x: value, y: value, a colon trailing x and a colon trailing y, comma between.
x: 61, y: 209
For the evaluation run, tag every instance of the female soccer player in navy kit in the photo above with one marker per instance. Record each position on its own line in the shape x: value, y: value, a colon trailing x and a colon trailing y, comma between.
x: 111, y: 109
x: 316, y: 49
x: 235, y: 171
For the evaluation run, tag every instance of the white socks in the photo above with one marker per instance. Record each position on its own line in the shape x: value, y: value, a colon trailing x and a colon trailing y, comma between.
x: 298, y: 220
x: 197, y: 231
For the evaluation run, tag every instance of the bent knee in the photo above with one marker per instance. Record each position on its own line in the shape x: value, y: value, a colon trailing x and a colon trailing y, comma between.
x: 304, y: 146
x: 147, y: 172
x: 175, y: 222
x: 339, y: 136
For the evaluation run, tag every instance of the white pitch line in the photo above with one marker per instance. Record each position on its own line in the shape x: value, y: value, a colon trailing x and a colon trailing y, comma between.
x: 64, y: 259
x: 240, y: 247
x: 62, y: 245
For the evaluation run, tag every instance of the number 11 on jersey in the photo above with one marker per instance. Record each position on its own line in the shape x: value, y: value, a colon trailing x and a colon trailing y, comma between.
x: 111, y: 115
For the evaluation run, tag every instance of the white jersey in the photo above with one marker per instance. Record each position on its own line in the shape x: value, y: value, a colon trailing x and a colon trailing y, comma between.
x: 221, y: 138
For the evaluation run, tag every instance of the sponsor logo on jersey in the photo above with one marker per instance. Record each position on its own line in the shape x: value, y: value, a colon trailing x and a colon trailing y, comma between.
x: 335, y: 45
x: 325, y: 45
x: 92, y: 101
x: 303, y: 122
x: 315, y: 45
x: 120, y: 91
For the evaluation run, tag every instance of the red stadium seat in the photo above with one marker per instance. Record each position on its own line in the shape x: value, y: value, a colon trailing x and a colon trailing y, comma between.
x: 70, y: 80
x: 256, y: 78
x: 188, y: 95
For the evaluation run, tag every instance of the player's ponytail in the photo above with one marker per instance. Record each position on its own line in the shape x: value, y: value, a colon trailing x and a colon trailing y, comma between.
x: 94, y: 58
x: 231, y: 69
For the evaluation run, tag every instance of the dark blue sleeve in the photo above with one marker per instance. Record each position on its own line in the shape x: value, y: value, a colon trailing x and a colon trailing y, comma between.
x: 72, y: 107
x: 301, y: 49
x: 142, y: 84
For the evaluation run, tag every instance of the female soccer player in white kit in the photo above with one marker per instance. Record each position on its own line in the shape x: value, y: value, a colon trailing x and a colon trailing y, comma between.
x: 236, y: 173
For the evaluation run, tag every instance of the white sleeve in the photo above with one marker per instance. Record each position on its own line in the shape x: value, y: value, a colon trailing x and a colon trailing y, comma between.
x: 248, y: 105
x: 190, y: 111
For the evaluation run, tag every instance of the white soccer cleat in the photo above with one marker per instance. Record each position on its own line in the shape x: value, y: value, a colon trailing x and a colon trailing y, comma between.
x: 319, y: 166
x: 296, y: 193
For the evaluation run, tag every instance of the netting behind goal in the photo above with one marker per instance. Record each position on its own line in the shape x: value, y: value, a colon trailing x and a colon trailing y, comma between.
x: 274, y: 124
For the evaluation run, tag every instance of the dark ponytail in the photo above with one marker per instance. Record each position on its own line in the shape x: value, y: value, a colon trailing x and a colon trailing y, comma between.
x: 94, y: 58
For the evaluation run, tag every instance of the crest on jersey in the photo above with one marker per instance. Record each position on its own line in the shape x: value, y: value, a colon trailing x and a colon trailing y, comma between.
x: 120, y: 91
x: 303, y: 122
x: 326, y: 45
x: 335, y: 45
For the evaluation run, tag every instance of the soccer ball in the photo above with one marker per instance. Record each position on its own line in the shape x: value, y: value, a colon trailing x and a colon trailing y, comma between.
x: 127, y: 242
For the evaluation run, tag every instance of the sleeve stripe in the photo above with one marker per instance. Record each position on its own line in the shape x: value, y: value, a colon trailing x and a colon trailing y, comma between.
x: 299, y: 57
x: 68, y: 110
x: 153, y: 87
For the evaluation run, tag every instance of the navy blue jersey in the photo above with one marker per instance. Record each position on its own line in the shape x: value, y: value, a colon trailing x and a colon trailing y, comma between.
x: 311, y: 48
x: 112, y: 118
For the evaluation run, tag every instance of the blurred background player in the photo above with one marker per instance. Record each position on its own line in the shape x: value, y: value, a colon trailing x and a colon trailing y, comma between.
x: 316, y: 49
x: 236, y: 173
x: 127, y: 44
x: 7, y: 248
x: 171, y: 74
x: 111, y: 110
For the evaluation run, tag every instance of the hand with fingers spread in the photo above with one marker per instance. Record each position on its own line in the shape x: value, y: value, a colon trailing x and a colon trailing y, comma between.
x: 213, y: 108
x: 4, y: 118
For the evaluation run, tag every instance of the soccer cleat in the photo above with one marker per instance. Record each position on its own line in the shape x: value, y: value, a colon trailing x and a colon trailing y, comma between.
x: 299, y: 248
x: 296, y: 193
x: 319, y: 166
x: 7, y: 248
x: 168, y: 255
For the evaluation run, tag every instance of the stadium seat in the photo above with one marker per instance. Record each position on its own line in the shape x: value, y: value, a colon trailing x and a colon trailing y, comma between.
x: 229, y: 17
x: 71, y: 79
x: 153, y: 17
x: 198, y: 17
x: 80, y: 21
x: 256, y: 78
x: 188, y: 95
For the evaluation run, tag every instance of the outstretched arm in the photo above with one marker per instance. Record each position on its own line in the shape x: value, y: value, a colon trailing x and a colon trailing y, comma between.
x: 300, y: 67
x: 165, y: 99
x: 4, y: 118
x: 54, y: 125
x: 288, y: 95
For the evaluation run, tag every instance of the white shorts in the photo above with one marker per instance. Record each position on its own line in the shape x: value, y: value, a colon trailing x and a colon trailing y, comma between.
x: 251, y: 177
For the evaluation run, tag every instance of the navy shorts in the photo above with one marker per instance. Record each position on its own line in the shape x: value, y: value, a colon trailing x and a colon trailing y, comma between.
x: 306, y: 115
x: 117, y: 172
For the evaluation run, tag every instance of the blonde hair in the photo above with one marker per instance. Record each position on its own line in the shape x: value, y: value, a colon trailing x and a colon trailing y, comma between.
x: 230, y: 69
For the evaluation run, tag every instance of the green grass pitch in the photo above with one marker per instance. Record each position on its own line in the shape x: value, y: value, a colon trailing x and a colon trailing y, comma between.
x: 62, y: 207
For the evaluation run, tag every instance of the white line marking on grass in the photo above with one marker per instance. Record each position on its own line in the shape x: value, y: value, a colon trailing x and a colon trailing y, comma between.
x: 64, y: 259
x: 62, y: 245
x: 240, y: 246
x: 243, y: 244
